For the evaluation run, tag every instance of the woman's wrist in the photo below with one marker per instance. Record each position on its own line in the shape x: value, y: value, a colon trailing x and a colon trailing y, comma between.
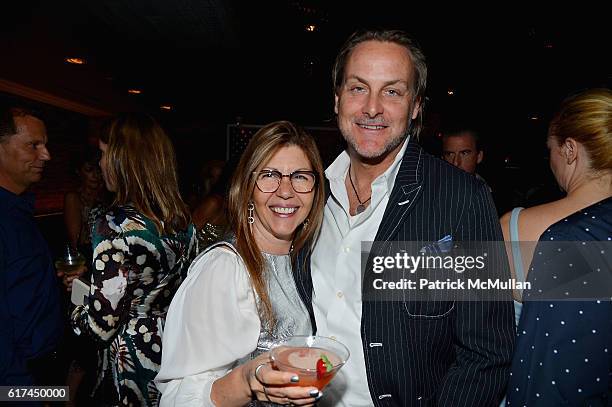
x: 233, y: 389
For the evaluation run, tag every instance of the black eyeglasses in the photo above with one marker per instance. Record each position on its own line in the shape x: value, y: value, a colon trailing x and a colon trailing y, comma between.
x: 269, y: 180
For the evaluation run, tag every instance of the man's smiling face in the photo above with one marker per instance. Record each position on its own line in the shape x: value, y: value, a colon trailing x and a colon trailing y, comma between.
x: 374, y: 103
x: 23, y: 155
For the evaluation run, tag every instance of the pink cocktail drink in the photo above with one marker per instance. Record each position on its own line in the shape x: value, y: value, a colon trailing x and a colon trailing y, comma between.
x: 315, y: 359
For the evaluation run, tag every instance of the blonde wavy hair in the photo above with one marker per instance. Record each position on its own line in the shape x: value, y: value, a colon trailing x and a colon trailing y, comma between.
x: 587, y: 118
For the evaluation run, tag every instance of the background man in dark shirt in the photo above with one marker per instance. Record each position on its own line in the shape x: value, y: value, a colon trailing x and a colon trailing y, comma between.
x: 30, y: 311
x: 462, y: 150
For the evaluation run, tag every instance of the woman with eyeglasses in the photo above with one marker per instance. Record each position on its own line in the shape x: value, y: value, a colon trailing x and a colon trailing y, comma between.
x: 240, y: 295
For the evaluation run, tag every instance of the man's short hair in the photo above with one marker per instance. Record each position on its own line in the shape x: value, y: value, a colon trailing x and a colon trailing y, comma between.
x: 459, y: 122
x: 7, y: 120
x: 461, y: 132
x: 419, y: 81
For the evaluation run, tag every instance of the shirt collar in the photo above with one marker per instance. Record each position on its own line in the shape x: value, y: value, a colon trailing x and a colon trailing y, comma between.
x: 9, y: 200
x: 338, y: 169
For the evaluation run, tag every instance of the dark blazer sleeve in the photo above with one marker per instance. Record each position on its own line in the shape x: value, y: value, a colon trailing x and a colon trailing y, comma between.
x: 484, y: 329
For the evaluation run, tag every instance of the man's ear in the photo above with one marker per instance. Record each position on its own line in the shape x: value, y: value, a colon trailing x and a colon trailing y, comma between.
x: 416, y: 109
x: 570, y: 150
x: 480, y: 157
x: 336, y: 98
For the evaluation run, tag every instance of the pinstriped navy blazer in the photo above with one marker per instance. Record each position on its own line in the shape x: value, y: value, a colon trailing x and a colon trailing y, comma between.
x: 433, y: 353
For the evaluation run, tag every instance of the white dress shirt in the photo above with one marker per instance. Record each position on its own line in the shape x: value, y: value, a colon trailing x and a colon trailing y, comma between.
x: 336, y: 275
x: 212, y: 323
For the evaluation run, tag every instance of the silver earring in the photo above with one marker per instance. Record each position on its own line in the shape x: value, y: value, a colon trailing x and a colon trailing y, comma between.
x: 305, y: 224
x: 250, y: 209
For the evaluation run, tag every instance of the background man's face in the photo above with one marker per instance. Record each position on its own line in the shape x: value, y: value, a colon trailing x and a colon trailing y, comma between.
x: 375, y: 101
x: 24, y: 154
x: 461, y: 151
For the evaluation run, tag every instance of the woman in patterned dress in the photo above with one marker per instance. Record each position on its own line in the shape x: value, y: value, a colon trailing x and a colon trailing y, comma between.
x: 142, y: 246
x: 240, y: 295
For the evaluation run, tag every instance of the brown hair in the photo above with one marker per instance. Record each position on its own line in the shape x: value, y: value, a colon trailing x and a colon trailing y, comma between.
x: 419, y: 82
x: 142, y: 165
x: 587, y: 118
x: 266, y: 142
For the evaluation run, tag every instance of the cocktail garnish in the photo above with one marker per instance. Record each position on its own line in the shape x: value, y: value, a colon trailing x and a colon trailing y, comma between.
x: 323, y: 366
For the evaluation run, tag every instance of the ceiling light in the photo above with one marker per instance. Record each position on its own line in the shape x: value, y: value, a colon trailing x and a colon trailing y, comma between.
x: 165, y: 107
x: 533, y: 118
x: 134, y: 91
x: 75, y: 61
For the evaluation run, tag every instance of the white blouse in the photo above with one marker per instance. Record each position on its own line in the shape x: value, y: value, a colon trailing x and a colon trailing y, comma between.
x: 211, y: 324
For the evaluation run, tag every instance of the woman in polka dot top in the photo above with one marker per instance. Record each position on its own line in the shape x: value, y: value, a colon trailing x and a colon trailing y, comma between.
x: 564, y: 337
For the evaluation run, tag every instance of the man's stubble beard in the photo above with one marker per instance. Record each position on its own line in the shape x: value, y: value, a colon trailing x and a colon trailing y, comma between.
x: 374, y: 157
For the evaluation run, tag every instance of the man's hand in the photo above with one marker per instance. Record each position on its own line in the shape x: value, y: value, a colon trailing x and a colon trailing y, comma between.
x: 67, y: 278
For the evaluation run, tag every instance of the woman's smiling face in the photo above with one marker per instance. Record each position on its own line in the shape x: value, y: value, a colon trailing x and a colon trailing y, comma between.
x: 278, y: 214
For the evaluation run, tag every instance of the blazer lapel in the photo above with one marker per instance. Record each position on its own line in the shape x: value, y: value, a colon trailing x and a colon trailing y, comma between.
x: 406, y: 190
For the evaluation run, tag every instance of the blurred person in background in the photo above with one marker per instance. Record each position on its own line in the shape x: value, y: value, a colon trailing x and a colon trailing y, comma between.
x: 210, y: 216
x: 142, y: 246
x: 89, y: 195
x: 461, y: 147
x: 562, y: 354
x: 206, y: 178
x: 210, y: 175
x: 81, y: 206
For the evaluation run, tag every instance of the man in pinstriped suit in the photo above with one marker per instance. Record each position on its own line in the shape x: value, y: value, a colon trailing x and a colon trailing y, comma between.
x: 384, y: 187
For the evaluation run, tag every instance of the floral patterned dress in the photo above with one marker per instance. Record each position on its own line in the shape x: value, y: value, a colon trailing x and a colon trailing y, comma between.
x: 135, y: 275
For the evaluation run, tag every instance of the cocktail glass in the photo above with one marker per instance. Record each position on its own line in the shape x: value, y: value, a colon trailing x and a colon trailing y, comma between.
x: 300, y: 355
x: 70, y: 262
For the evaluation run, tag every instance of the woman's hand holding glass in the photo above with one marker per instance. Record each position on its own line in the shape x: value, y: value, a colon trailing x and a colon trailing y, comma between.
x: 69, y: 266
x: 268, y: 384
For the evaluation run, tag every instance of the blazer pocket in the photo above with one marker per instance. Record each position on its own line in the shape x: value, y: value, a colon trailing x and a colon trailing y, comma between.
x: 426, y: 402
x: 429, y: 309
